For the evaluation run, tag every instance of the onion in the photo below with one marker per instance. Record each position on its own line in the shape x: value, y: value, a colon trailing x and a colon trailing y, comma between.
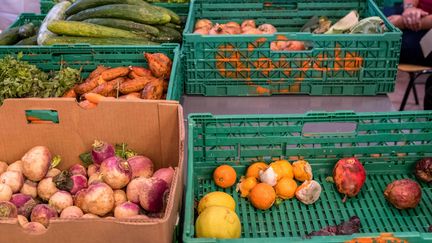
x: 36, y: 163
x: 140, y: 166
x: 101, y: 151
x: 24, y: 204
x: 5, y: 192
x: 46, y: 188
x: 13, y: 179
x: 71, y: 212
x: 91, y: 169
x: 22, y: 220
x: 115, y: 172
x: 3, y: 167
x: 42, y: 213
x: 61, y: 200
x: 126, y: 210
x: 403, y: 194
x: 119, y: 197
x: 53, y: 172
x: 267, y: 29
x: 152, y: 194
x: 423, y: 170
x: 133, y: 189
x: 203, y: 24
x: 29, y: 188
x: 90, y: 216
x: 96, y: 177
x: 72, y: 183
x: 97, y: 199
x: 16, y: 166
x: 78, y: 169
x: 34, y: 228
x: 165, y: 174
x: 8, y: 210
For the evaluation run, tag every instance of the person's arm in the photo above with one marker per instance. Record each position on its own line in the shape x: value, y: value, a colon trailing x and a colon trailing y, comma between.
x: 426, y: 22
x: 412, y: 15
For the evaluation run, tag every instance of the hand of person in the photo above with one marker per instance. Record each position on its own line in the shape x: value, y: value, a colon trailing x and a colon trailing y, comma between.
x: 397, y: 20
x: 412, y: 18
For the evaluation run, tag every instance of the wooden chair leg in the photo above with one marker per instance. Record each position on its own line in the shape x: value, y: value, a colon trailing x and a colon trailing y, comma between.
x: 415, y: 94
x: 407, y: 91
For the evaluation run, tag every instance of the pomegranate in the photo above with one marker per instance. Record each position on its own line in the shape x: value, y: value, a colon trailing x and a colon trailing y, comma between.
x: 403, y: 194
x: 423, y: 170
x: 349, y: 176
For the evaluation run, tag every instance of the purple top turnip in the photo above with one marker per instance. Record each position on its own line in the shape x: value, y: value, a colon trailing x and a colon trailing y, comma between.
x: 24, y: 203
x: 53, y: 172
x: 97, y: 199
x: 29, y: 188
x: 16, y: 166
x: 115, y: 172
x: 46, y: 188
x: 101, y: 151
x: 78, y: 169
x: 5, y: 192
x: 140, y: 166
x: 34, y: 228
x: 42, y: 213
x: 119, y: 197
x: 8, y: 210
x: 61, y: 200
x: 36, y: 163
x: 133, y: 189
x: 165, y: 174
x: 96, y: 177
x: 126, y: 210
x: 71, y: 212
x: 3, y: 167
x: 69, y: 182
x: 92, y: 169
x: 13, y: 179
x: 153, y: 194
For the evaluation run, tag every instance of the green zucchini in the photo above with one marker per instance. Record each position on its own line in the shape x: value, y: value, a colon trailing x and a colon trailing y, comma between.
x: 31, y: 41
x: 140, y: 14
x: 56, y: 13
x: 75, y: 28
x: 173, y: 26
x: 10, y: 36
x: 174, y: 17
x: 97, y: 41
x: 168, y: 33
x: 81, y: 5
x: 27, y: 30
x: 124, y: 25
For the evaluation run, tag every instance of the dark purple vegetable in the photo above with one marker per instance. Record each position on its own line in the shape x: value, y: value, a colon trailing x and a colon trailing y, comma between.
x: 403, y: 194
x: 8, y: 210
x: 430, y: 228
x: 140, y: 166
x: 78, y: 169
x: 101, y: 151
x: 153, y: 194
x: 349, y: 227
x: 42, y: 213
x: 423, y: 170
x: 72, y: 183
x: 24, y: 203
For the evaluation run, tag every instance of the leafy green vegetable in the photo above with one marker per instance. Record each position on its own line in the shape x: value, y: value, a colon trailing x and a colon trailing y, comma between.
x: 122, y: 151
x: 86, y: 159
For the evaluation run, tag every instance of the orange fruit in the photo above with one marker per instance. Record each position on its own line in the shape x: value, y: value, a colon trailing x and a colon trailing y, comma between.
x: 302, y: 170
x: 224, y: 176
x: 254, y: 169
x: 245, y: 185
x: 282, y: 168
x: 262, y: 196
x: 286, y: 188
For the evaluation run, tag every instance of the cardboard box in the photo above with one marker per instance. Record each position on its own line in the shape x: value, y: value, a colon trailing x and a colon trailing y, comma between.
x: 152, y: 128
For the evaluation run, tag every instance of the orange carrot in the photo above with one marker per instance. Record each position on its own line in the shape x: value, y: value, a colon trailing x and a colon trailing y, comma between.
x: 33, y: 118
x: 97, y: 72
x: 130, y: 96
x: 135, y: 85
x: 113, y: 73
x: 87, y: 104
x: 70, y: 93
x: 94, y: 98
x: 87, y: 86
x: 108, y: 88
x: 42, y: 122
x: 140, y: 71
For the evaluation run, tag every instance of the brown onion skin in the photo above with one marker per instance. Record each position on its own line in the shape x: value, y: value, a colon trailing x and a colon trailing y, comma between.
x: 423, y: 170
x: 403, y: 194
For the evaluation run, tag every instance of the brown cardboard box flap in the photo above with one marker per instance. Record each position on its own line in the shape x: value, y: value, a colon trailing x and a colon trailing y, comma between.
x: 152, y: 128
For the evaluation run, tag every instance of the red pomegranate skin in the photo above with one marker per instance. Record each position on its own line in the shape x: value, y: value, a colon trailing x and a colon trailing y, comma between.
x: 403, y: 194
x: 349, y: 176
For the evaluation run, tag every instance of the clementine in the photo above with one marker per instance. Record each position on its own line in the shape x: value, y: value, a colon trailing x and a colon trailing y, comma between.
x: 254, y: 169
x: 286, y: 188
x: 262, y: 196
x: 224, y: 176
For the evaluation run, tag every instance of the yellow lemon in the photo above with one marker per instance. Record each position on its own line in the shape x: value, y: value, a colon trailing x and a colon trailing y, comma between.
x: 216, y: 199
x: 218, y: 222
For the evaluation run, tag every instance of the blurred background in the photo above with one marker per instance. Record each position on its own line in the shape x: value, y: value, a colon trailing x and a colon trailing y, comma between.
x: 10, y: 9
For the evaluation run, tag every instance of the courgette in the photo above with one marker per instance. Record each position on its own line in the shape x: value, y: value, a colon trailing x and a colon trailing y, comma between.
x: 174, y: 17
x: 56, y: 13
x: 173, y: 26
x: 31, y: 41
x: 168, y: 34
x: 81, y: 5
x: 10, y: 36
x: 27, y: 30
x: 124, y: 25
x: 75, y: 28
x: 97, y: 41
x: 140, y: 14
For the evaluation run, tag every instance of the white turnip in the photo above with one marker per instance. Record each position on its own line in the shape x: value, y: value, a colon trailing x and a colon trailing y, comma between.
x: 101, y: 151
x: 16, y: 166
x: 3, y: 167
x: 140, y: 166
x: 126, y: 210
x: 69, y: 182
x: 29, y: 188
x: 91, y: 169
x: 119, y: 197
x: 53, y: 172
x: 133, y: 189
x: 13, y: 179
x: 34, y: 228
x: 165, y: 174
x: 90, y: 216
x: 97, y: 199
x: 153, y: 194
x: 8, y: 210
x: 24, y: 204
x: 42, y: 213
x: 115, y: 172
x: 22, y: 220
x: 5, y: 192
x: 46, y: 188
x: 96, y: 177
x: 61, y: 200
x: 71, y: 212
x: 36, y: 162
x: 78, y: 169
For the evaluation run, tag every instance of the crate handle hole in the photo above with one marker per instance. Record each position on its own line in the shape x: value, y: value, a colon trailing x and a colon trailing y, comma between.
x: 42, y: 116
x: 329, y: 129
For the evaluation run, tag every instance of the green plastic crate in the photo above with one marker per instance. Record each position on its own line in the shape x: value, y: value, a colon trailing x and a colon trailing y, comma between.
x: 244, y: 65
x: 88, y: 57
x: 387, y: 3
x: 388, y: 144
x: 182, y: 9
